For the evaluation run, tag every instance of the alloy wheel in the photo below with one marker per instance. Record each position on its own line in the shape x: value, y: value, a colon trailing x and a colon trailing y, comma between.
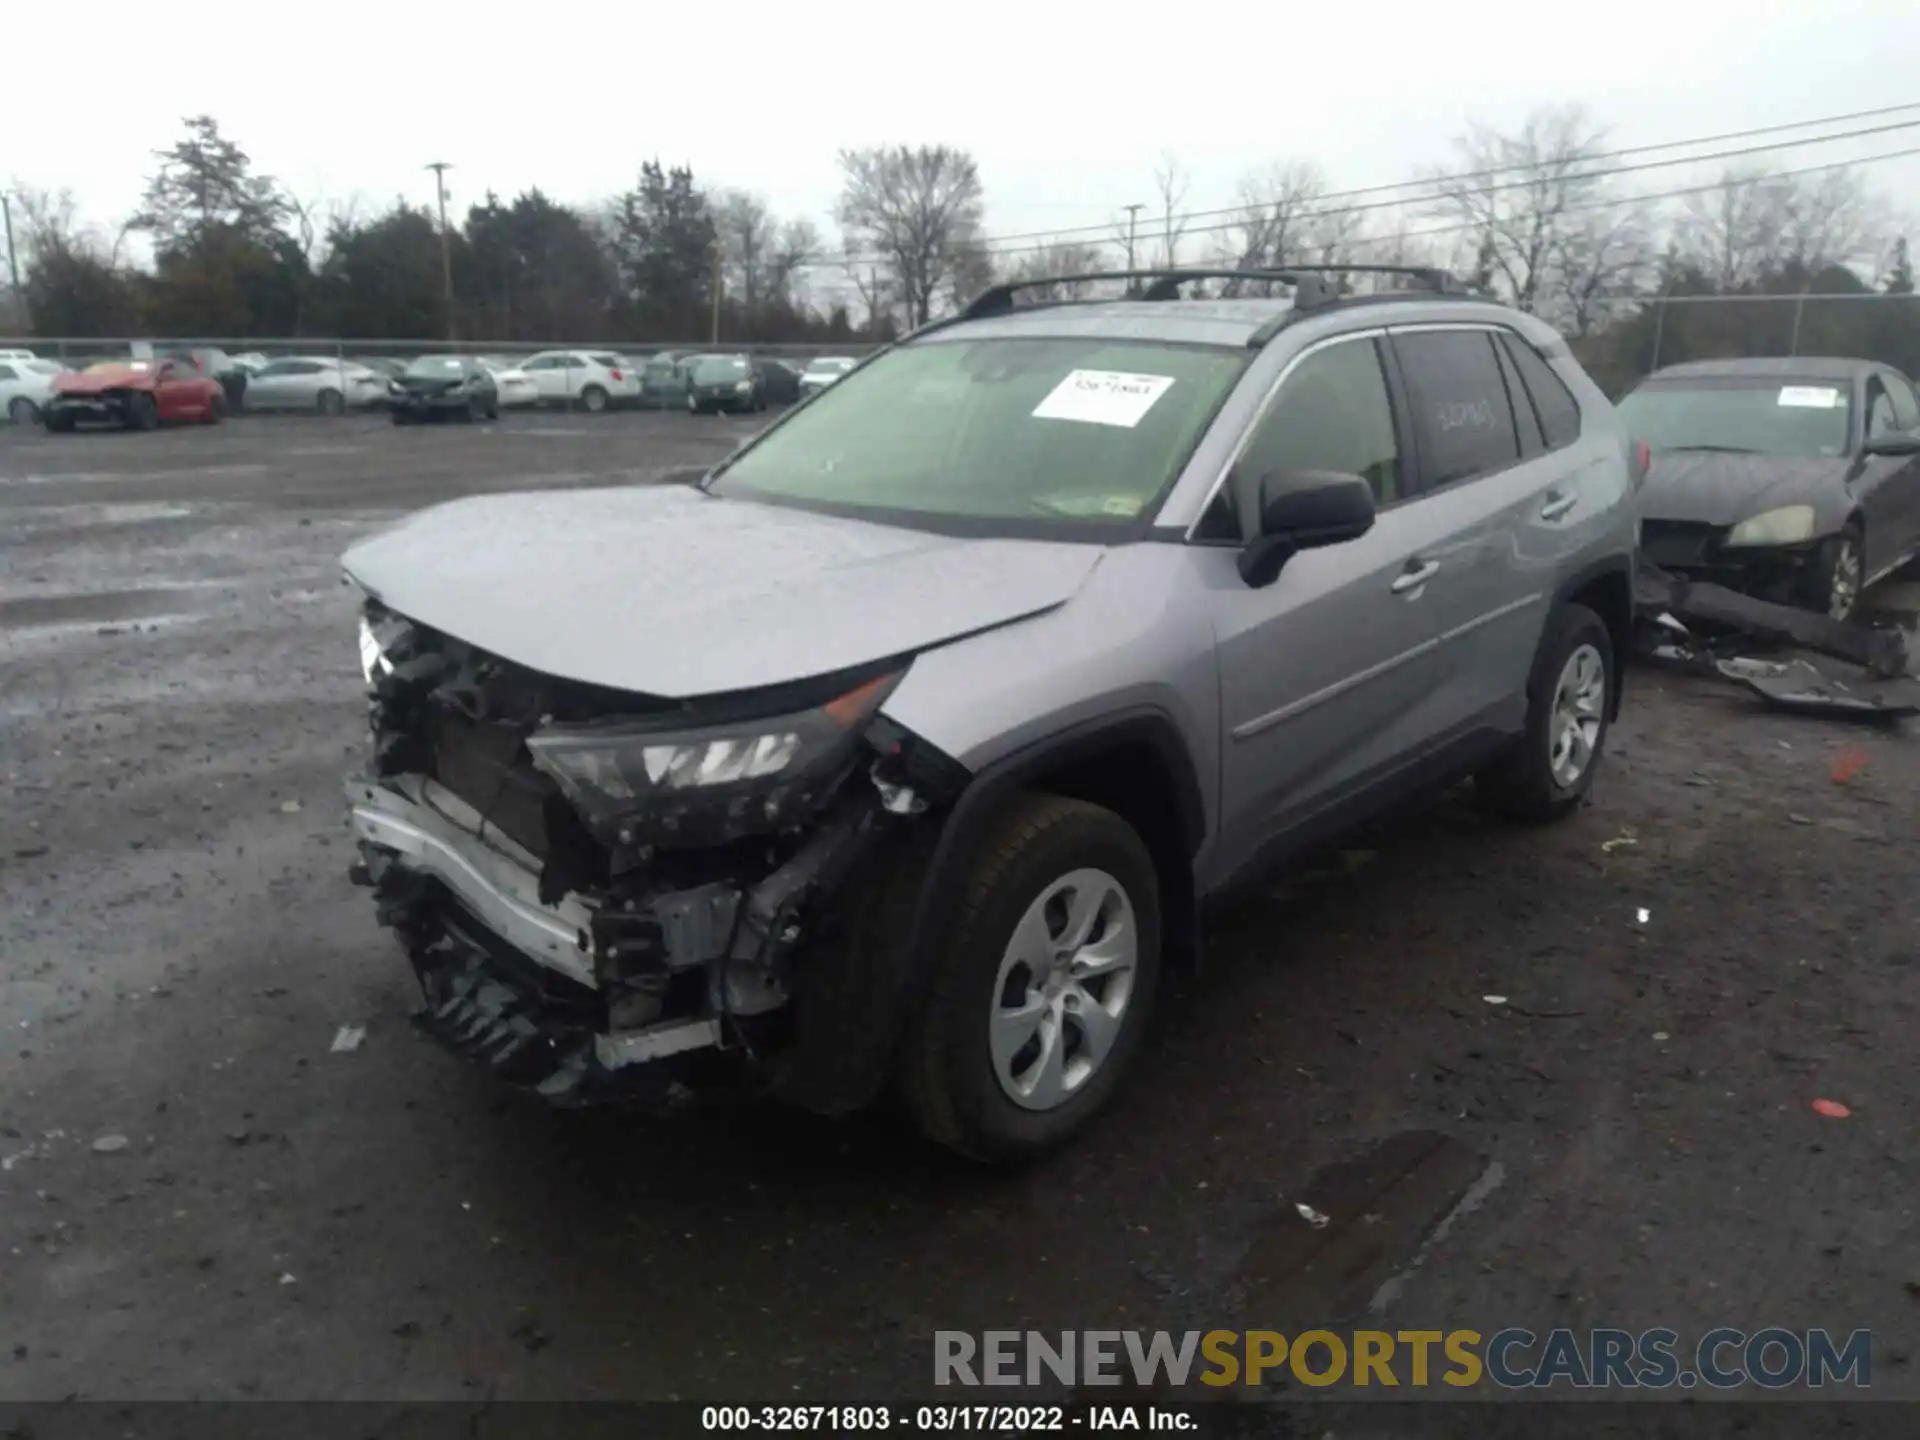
x: 1843, y: 589
x: 1579, y: 709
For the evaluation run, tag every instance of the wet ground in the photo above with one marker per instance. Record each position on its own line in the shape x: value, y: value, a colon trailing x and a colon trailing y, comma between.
x: 1626, y: 1139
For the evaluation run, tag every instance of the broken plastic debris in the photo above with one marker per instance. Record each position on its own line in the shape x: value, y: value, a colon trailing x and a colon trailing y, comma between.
x: 1609, y: 846
x: 1832, y: 1109
x: 347, y: 1039
x: 1847, y: 764
x: 1661, y: 1035
x: 289, y: 807
x: 286, y: 1279
x: 1312, y: 1216
x: 1643, y: 915
x: 1494, y: 999
x: 108, y: 1144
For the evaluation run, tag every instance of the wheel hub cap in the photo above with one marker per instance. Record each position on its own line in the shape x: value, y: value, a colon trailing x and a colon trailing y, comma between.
x: 1063, y: 989
x: 1579, y: 708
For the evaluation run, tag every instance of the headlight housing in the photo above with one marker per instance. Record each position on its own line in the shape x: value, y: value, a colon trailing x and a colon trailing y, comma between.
x: 639, y: 783
x: 741, y: 387
x: 373, y: 655
x: 1789, y: 525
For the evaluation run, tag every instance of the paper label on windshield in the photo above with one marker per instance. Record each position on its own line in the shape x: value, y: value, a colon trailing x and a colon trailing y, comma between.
x: 1103, y: 397
x: 1810, y: 397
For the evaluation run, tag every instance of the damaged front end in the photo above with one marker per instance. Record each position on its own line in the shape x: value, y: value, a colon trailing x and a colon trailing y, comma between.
x: 600, y: 890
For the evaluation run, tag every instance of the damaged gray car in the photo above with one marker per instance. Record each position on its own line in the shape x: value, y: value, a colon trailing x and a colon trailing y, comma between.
x: 904, y: 751
x: 1794, y: 480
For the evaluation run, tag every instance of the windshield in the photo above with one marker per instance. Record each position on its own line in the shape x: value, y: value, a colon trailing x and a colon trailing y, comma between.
x: 437, y: 366
x: 1745, y: 415
x: 1054, y: 432
x: 721, y: 368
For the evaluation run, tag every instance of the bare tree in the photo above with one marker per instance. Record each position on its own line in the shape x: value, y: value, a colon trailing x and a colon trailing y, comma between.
x: 1833, y: 219
x: 1736, y: 231
x: 1171, y: 182
x: 747, y: 231
x: 792, y: 250
x: 917, y: 210
x: 1604, y: 257
x: 1061, y: 260
x: 1522, y: 194
x: 1276, y: 210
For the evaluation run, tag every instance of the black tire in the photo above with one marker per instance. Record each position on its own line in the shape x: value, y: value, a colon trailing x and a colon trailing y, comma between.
x: 58, y: 422
x: 946, y: 1064
x: 493, y: 410
x: 330, y: 402
x: 216, y: 409
x: 142, y: 412
x: 1849, y: 547
x: 22, y: 411
x: 401, y: 417
x: 1521, y: 785
x: 594, y: 400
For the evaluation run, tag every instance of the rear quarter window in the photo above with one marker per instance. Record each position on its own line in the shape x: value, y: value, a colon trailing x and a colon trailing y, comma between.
x: 1559, y: 412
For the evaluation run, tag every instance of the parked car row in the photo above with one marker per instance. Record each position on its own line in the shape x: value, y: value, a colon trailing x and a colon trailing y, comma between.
x: 590, y: 380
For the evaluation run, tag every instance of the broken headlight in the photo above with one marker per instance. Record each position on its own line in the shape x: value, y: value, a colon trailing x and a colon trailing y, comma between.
x: 373, y: 655
x: 635, y: 783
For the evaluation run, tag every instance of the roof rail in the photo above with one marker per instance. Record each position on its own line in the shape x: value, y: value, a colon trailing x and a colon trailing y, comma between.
x: 1310, y: 290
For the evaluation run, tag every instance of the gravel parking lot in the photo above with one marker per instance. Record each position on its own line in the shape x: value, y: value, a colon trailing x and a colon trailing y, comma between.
x: 1631, y: 1130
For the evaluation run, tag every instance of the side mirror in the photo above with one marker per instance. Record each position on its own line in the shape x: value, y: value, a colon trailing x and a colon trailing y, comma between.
x: 1894, y: 442
x: 1304, y: 510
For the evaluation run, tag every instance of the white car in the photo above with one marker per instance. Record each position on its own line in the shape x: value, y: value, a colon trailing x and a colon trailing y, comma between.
x: 514, y: 385
x: 595, y: 380
x: 822, y: 372
x: 25, y: 384
x: 314, y: 382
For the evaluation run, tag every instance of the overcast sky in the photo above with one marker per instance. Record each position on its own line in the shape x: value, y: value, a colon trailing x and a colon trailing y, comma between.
x: 1066, y: 108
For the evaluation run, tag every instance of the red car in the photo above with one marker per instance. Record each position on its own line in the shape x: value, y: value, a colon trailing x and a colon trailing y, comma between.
x: 139, y: 394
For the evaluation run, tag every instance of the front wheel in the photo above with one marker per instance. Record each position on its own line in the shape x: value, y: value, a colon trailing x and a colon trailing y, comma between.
x: 331, y: 402
x: 1043, y: 987
x: 1837, y: 576
x: 142, y: 413
x: 1569, y: 706
x: 22, y: 411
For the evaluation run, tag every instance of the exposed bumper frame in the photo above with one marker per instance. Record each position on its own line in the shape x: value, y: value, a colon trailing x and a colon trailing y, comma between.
x: 492, y: 876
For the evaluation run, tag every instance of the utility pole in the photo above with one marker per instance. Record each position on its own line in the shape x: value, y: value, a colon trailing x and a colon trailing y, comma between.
x: 1133, y: 217
x: 718, y: 279
x: 13, y: 261
x: 440, y: 168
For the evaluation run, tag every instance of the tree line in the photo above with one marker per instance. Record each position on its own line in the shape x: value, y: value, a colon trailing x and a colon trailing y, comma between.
x: 1544, y: 217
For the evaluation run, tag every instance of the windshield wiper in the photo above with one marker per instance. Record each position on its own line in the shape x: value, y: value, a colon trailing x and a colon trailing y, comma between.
x: 1718, y: 449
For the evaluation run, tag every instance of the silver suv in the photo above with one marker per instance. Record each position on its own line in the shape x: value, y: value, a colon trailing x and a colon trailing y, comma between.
x: 904, y: 750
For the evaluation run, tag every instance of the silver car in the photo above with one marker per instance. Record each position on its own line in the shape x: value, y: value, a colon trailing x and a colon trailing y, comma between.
x: 823, y: 371
x: 906, y: 748
x: 314, y: 382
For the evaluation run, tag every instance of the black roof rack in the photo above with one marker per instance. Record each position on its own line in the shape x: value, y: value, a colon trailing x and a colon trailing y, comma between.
x: 1310, y: 290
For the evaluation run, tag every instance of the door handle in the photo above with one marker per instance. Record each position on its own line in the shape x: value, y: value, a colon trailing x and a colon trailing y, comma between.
x: 1416, y: 574
x: 1556, y: 505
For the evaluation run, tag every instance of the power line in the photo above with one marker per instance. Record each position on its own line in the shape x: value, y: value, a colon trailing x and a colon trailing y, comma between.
x: 1436, y: 186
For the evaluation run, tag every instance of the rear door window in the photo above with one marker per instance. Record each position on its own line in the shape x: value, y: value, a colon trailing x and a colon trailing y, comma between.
x: 1532, y: 442
x: 1459, y: 401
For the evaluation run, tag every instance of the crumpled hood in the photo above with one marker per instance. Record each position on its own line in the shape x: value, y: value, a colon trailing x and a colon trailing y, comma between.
x: 667, y: 591
x: 1713, y: 488
x: 93, y: 382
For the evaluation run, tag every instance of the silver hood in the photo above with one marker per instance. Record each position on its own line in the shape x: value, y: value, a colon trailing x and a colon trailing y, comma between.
x: 667, y: 591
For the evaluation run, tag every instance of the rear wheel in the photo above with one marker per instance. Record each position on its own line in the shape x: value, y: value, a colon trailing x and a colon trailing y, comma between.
x: 1043, y: 987
x: 22, y: 411
x: 331, y: 402
x: 401, y: 417
x: 1569, y: 701
x: 594, y: 399
x: 142, y: 413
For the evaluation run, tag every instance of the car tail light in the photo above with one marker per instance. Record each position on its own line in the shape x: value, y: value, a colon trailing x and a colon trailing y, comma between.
x: 1642, y: 460
x: 616, y: 375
